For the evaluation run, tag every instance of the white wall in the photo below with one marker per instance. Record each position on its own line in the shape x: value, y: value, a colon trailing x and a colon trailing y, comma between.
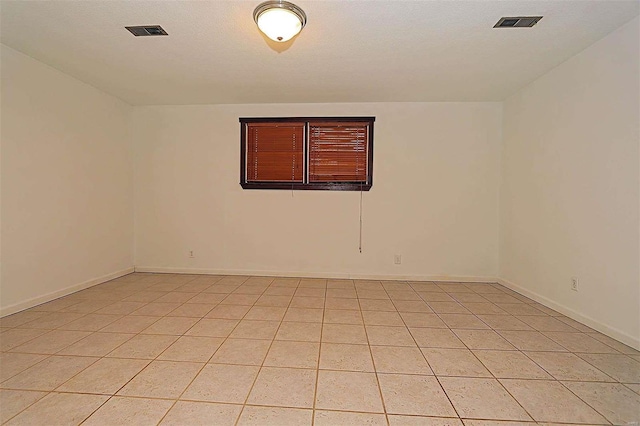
x: 570, y: 186
x: 434, y: 199
x: 67, y: 184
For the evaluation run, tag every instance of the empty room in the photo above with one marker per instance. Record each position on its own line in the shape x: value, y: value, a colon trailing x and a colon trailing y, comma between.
x: 322, y: 213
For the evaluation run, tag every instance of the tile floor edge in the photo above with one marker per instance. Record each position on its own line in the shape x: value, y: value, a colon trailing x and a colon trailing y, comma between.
x: 39, y: 300
x: 612, y: 332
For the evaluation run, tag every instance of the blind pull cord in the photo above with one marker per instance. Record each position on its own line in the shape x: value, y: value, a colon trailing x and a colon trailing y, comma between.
x: 360, y: 243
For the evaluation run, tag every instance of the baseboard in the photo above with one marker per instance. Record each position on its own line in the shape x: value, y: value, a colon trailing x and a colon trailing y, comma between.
x: 584, y: 319
x: 293, y: 274
x: 30, y: 303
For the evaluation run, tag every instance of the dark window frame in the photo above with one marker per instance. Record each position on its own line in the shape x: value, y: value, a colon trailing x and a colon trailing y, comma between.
x: 331, y: 186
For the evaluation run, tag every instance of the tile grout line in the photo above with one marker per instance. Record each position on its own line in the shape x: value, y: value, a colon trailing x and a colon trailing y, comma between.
x: 54, y: 390
x: 112, y: 396
x: 246, y: 399
x: 315, y: 388
x: 493, y: 375
x: 115, y: 394
x: 214, y: 352
x: 373, y: 363
x: 523, y: 353
x: 489, y: 371
x: 455, y: 410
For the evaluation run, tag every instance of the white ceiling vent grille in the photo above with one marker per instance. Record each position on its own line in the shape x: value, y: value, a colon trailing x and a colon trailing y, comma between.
x: 147, y: 30
x: 517, y: 22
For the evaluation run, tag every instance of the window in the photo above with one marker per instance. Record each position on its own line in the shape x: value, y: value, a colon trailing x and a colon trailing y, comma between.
x: 307, y: 153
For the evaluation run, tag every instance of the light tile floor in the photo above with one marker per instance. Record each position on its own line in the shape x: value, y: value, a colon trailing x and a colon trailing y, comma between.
x: 212, y: 350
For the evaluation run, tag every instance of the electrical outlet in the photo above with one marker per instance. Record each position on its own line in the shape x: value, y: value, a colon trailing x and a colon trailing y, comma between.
x: 574, y: 283
x: 397, y: 259
x: 191, y: 254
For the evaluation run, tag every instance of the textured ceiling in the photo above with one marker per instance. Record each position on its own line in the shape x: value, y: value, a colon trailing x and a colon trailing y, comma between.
x: 350, y: 51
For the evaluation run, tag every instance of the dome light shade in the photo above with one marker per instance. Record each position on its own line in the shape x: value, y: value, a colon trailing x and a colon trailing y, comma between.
x: 279, y: 20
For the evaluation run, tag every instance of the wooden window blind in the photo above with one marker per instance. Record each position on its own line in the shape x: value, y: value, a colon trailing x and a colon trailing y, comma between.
x: 334, y: 153
x: 338, y: 152
x: 275, y: 153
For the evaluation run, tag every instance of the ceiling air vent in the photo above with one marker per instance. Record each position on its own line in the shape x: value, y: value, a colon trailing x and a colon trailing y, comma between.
x: 517, y: 22
x: 147, y: 30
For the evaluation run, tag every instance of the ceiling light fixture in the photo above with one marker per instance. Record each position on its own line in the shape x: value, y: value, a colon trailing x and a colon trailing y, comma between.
x: 279, y: 20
